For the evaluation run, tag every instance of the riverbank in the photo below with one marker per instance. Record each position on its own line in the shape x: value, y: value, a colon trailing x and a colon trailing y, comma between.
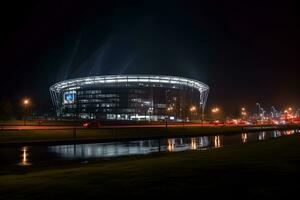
x: 67, y: 136
x: 264, y: 169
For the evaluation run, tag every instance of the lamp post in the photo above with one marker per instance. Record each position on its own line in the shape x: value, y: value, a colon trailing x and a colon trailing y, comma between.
x: 193, y: 109
x: 26, y: 103
x: 215, y: 110
x: 243, y: 113
x: 169, y: 109
x: 289, y: 114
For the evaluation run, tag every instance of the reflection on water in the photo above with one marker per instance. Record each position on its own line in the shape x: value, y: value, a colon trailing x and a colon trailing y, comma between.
x: 289, y: 132
x: 262, y: 135
x: 204, y: 142
x: 150, y: 146
x: 193, y: 143
x: 276, y: 134
x: 244, y: 137
x: 171, y: 143
x: 217, y: 142
x: 28, y: 155
x: 24, y: 161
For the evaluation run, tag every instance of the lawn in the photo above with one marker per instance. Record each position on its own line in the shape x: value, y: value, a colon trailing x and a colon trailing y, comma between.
x: 21, y: 136
x: 36, y: 122
x: 265, y: 169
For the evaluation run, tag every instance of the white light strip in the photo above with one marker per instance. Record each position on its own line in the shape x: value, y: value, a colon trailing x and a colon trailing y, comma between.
x: 126, y: 79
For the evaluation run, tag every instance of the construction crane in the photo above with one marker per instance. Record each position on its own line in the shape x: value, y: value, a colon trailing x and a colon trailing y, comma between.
x: 261, y: 111
x: 274, y: 112
x: 297, y: 114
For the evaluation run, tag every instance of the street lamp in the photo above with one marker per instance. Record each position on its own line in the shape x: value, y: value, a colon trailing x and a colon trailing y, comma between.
x: 243, y: 112
x: 169, y: 109
x: 289, y: 114
x: 193, y: 109
x: 215, y: 110
x: 26, y: 103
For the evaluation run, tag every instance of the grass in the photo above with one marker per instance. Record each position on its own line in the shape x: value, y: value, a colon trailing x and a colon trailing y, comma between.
x: 265, y: 169
x: 19, y: 136
x: 36, y: 122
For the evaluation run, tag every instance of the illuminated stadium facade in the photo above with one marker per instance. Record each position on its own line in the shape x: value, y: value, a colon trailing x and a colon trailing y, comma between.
x: 130, y: 97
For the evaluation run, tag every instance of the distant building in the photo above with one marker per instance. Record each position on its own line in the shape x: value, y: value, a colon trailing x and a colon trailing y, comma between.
x: 130, y: 97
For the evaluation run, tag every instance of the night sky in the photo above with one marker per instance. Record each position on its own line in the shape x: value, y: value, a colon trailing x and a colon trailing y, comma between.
x: 246, y: 51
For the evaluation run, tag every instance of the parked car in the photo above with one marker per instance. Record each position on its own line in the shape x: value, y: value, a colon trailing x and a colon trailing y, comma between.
x: 91, y: 124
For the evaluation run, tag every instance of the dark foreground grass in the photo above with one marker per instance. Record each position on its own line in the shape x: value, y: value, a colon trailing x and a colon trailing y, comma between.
x: 269, y: 169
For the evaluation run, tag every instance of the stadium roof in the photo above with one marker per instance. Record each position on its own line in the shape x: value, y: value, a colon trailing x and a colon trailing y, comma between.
x: 78, y: 82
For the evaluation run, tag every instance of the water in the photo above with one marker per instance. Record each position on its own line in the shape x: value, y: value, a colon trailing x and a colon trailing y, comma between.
x: 29, y: 155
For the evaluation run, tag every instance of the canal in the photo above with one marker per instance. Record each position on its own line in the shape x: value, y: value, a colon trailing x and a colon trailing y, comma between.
x: 30, y: 155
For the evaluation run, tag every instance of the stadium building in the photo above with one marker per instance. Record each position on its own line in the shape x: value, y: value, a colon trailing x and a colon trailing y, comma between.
x: 130, y: 97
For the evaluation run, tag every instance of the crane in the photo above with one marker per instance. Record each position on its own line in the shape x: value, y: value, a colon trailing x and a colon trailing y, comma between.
x: 261, y: 111
x: 297, y: 114
x: 274, y: 112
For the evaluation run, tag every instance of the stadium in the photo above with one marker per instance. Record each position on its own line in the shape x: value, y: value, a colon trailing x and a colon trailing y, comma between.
x: 130, y: 98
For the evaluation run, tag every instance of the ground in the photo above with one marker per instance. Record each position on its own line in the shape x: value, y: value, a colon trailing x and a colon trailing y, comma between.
x: 267, y: 169
x: 29, y: 137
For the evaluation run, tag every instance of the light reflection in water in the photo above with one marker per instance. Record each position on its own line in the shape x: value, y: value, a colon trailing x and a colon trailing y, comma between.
x: 24, y: 157
x: 171, y: 143
x: 193, y: 143
x: 262, y: 135
x: 217, y: 142
x: 276, y: 134
x: 101, y: 150
x: 29, y: 155
x: 289, y: 132
x: 244, y: 137
x: 204, y: 142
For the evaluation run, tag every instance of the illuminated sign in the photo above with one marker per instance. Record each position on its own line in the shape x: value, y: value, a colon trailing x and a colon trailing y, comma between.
x: 69, y: 97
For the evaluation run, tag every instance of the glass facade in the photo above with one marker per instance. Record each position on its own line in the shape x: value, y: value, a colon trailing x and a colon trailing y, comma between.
x: 138, y: 101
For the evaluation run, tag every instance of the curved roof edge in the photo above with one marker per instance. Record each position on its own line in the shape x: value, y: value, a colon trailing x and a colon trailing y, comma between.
x: 77, y: 82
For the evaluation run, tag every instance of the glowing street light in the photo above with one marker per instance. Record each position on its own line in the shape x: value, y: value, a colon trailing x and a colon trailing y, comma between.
x: 215, y: 110
x: 193, y: 108
x: 243, y: 112
x: 26, y: 103
x: 169, y: 109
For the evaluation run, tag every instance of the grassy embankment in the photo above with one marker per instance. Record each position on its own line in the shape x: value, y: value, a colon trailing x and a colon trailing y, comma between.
x: 256, y: 170
x: 20, y: 136
x: 43, y: 122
